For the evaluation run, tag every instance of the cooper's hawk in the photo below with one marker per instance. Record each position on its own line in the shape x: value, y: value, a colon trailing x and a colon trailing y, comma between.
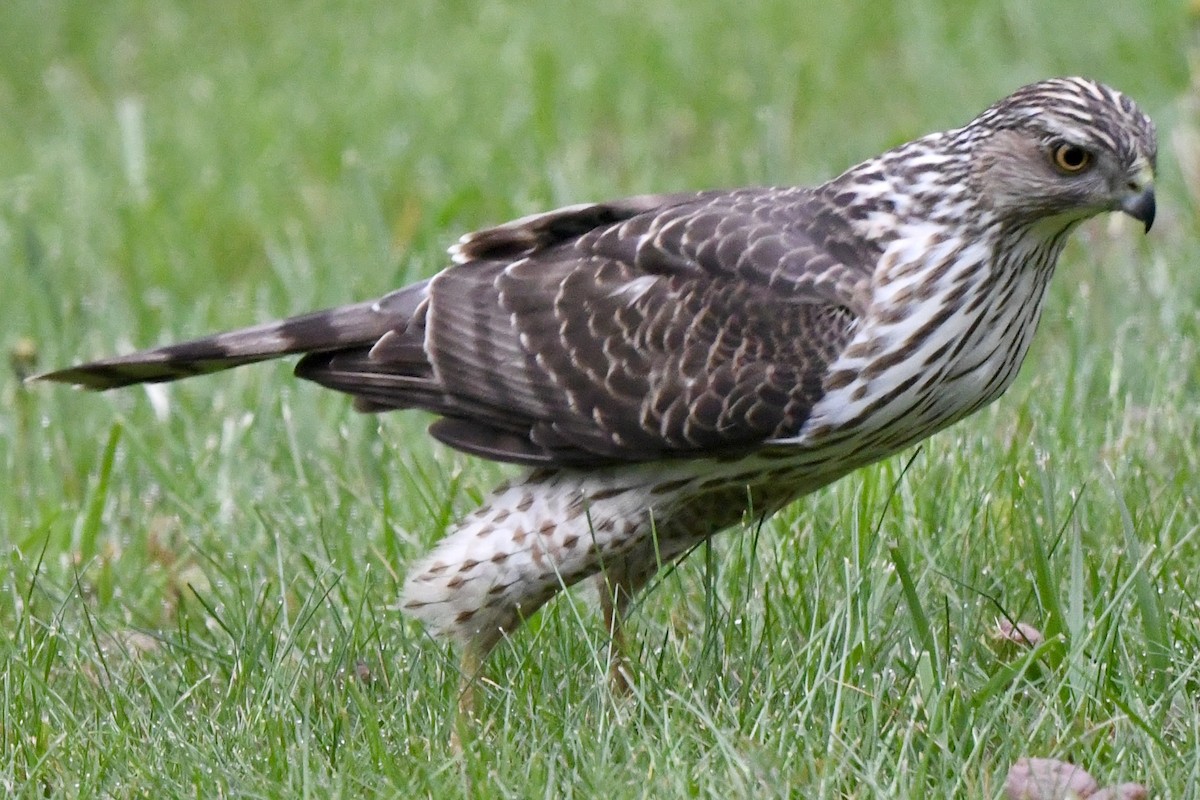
x: 666, y: 363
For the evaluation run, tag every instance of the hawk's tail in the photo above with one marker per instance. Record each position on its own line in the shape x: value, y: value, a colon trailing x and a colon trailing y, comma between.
x: 346, y: 326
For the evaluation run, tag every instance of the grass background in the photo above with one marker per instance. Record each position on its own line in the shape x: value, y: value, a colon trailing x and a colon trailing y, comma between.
x: 200, y: 584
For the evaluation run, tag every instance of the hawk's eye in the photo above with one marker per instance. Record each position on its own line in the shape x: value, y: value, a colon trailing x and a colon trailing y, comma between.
x: 1071, y: 158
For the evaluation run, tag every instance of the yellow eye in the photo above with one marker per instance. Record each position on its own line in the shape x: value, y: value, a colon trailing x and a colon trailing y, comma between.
x: 1071, y: 158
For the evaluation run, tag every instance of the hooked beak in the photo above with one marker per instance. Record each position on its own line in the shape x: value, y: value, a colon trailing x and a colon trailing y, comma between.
x: 1140, y: 206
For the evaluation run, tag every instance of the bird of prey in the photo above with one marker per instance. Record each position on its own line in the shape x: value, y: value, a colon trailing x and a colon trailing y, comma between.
x: 666, y: 364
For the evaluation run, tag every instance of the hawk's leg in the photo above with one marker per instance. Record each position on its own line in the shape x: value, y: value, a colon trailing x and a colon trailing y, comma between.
x: 470, y: 671
x: 614, y: 602
x: 617, y: 584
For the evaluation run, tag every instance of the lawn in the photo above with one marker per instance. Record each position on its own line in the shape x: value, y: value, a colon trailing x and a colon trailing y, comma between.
x: 201, y: 584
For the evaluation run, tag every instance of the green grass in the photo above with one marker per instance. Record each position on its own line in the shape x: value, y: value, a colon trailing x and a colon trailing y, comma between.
x: 204, y: 604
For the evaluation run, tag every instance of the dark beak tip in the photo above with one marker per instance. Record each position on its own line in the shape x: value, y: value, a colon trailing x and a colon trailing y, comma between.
x: 1141, y: 207
x: 1148, y: 211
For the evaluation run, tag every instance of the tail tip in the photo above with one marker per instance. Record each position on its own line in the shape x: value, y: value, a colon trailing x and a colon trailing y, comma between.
x: 80, y: 377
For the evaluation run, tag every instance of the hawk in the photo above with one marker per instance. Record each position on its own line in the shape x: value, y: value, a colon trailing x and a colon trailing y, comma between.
x: 666, y: 364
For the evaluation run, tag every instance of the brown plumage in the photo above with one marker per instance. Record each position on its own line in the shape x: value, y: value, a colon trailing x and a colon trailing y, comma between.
x: 667, y: 363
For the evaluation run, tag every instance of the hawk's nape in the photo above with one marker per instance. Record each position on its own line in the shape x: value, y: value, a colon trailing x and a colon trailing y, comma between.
x: 672, y: 362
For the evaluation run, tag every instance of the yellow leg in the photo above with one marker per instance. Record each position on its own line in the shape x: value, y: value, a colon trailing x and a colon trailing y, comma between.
x: 470, y: 667
x: 614, y: 600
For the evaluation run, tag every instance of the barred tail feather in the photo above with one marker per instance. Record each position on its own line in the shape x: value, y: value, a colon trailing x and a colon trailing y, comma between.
x: 346, y: 326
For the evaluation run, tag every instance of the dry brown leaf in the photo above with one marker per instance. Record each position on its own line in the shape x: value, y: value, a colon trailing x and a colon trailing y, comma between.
x: 1048, y: 779
x: 1126, y: 791
x: 1020, y: 633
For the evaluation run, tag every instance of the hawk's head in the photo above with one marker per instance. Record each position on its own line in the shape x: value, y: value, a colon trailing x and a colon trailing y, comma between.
x: 1063, y: 150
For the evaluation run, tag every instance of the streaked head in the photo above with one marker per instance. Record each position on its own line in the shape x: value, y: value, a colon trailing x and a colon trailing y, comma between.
x: 1063, y: 150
